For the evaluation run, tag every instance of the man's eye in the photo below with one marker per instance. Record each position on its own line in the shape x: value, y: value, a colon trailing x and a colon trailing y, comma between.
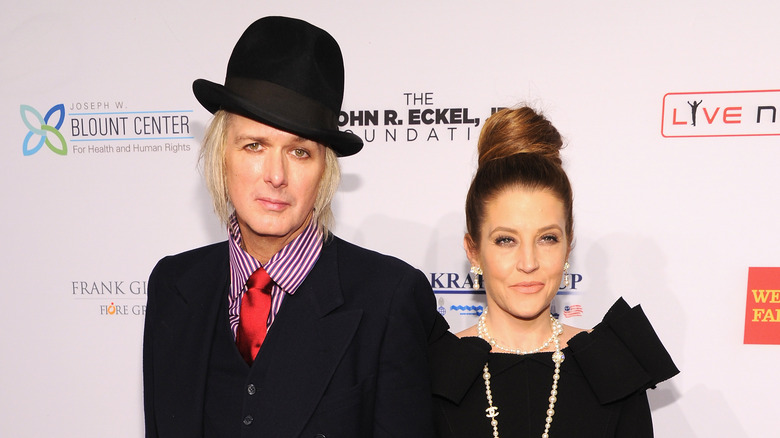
x: 300, y: 153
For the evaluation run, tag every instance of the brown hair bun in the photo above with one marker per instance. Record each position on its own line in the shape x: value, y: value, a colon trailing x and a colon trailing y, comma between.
x: 521, y: 130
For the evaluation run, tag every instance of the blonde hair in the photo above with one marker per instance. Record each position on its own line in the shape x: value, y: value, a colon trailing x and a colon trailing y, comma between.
x: 212, y: 158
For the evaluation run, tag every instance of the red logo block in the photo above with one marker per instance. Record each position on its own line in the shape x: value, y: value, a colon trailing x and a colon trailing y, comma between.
x: 762, y: 313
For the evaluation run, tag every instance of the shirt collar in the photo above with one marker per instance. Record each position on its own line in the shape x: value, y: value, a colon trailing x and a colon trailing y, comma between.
x: 287, y: 268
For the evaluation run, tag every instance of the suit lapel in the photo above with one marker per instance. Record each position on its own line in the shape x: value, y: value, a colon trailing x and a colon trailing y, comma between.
x: 305, y: 345
x: 189, y: 333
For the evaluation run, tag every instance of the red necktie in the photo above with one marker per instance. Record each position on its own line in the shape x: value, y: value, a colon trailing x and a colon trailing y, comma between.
x: 253, y: 317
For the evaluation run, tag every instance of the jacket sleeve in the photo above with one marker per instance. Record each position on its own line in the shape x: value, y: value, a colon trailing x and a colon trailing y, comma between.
x: 148, y: 362
x: 403, y: 401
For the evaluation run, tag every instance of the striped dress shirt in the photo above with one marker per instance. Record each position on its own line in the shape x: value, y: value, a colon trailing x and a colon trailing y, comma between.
x: 287, y: 268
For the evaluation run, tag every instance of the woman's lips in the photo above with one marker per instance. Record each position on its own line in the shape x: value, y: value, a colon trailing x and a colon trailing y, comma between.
x: 528, y: 287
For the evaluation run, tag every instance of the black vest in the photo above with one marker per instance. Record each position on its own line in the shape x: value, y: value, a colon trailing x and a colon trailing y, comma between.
x: 232, y: 396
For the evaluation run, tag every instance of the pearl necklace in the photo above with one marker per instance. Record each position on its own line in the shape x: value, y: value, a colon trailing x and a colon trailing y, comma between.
x: 557, y: 357
x: 482, y: 332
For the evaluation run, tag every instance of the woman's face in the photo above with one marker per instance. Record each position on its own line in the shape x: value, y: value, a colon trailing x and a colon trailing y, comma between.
x: 522, y: 250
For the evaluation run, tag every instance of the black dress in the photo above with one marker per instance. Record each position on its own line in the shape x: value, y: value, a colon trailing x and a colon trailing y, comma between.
x: 601, y: 391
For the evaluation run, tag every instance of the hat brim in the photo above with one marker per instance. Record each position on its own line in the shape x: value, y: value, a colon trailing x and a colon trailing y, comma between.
x: 276, y: 111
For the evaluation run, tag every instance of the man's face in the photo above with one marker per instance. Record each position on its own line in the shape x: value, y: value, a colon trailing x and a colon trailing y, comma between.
x: 272, y: 179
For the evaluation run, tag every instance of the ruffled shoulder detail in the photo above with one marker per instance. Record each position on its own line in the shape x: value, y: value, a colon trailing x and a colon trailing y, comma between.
x: 622, y: 354
x: 455, y: 364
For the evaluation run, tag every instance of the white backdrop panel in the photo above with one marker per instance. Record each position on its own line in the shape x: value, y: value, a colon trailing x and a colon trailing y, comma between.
x: 673, y: 223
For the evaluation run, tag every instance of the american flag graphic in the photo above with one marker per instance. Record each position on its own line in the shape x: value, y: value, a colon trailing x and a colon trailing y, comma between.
x: 572, y: 311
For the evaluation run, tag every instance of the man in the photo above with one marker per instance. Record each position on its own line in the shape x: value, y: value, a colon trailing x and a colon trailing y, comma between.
x: 283, y: 330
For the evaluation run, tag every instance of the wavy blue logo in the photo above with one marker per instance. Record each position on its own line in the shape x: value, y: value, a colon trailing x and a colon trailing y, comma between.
x: 42, y: 128
x: 468, y: 310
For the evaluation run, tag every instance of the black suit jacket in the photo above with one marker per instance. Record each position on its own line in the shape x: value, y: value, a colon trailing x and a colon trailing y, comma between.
x: 345, y: 357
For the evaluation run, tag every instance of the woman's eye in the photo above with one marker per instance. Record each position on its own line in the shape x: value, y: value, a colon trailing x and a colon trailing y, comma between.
x: 550, y: 238
x: 503, y: 240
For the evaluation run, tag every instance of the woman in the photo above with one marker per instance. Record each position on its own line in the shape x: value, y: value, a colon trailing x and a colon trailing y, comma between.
x: 519, y: 372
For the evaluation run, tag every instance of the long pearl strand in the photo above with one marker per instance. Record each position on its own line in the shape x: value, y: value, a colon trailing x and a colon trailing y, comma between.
x: 557, y: 357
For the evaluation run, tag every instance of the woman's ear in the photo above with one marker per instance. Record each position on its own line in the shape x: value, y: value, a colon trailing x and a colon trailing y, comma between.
x: 471, y: 250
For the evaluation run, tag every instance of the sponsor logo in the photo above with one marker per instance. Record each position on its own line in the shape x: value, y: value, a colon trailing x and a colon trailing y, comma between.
x: 468, y: 310
x: 720, y: 114
x: 456, y: 283
x: 107, y: 128
x: 103, y: 288
x: 122, y: 309
x: 112, y: 298
x: 460, y: 306
x: 417, y: 119
x: 762, y: 313
x: 457, y: 297
x: 41, y: 130
x: 572, y: 311
x: 441, y: 308
x: 572, y: 288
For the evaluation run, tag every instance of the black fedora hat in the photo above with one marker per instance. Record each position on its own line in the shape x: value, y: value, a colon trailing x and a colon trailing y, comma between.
x: 288, y: 74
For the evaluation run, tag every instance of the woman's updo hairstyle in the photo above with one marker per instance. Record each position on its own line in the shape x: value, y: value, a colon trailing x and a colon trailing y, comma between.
x: 517, y: 148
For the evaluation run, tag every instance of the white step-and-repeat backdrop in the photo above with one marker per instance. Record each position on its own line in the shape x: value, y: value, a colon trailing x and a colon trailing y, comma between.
x: 668, y: 109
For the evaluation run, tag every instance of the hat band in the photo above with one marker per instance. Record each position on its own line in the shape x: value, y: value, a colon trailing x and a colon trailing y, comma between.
x: 283, y: 103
